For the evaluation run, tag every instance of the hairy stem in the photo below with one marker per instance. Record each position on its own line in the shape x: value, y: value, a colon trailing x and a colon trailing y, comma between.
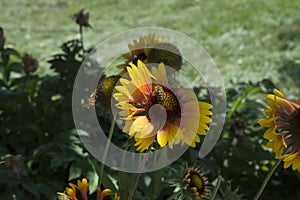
x: 111, y: 131
x: 216, y: 189
x: 141, y: 167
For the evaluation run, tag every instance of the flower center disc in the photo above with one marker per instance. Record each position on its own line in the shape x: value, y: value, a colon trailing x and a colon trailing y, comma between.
x: 171, y: 103
x: 197, y: 182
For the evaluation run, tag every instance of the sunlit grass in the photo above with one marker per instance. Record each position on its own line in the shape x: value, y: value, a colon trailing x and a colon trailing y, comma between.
x: 243, y: 37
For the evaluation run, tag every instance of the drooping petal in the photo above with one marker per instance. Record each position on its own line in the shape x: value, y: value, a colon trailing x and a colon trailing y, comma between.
x: 143, y: 143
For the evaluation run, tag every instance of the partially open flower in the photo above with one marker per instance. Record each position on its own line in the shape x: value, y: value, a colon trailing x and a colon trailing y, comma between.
x: 83, y: 187
x: 196, y: 183
x: 30, y: 64
x: 70, y: 192
x: 283, y: 133
x: 103, y: 193
x: 191, y: 184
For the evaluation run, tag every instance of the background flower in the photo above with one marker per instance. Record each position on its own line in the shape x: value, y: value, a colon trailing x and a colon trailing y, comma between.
x: 139, y: 50
x: 283, y: 133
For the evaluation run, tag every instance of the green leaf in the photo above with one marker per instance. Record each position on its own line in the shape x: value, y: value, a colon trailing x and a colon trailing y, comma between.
x: 74, y: 171
x: 93, y: 178
x: 11, y: 51
x: 16, y: 67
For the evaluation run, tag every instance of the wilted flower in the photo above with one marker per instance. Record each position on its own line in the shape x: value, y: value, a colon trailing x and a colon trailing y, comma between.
x: 174, y: 117
x: 30, y: 64
x: 15, y: 162
x: 283, y: 133
x: 238, y: 126
x: 82, y: 19
x: 1, y: 37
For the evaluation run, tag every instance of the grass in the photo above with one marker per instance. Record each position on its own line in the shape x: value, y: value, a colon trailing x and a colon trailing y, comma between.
x: 248, y: 40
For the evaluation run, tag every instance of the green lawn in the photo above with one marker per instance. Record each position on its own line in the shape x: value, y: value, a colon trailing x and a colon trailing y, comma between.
x: 248, y: 40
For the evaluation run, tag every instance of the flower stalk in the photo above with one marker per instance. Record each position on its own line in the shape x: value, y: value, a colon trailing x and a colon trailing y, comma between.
x: 111, y: 131
x: 266, y: 180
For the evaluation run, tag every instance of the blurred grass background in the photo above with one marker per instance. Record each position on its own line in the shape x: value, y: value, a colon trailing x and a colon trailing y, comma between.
x: 248, y: 40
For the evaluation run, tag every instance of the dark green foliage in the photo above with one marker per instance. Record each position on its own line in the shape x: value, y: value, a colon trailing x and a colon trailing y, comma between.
x: 36, y: 122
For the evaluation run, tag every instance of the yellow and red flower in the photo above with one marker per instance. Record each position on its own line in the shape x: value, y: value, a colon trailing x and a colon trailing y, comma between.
x: 168, y: 115
x: 283, y: 123
x: 70, y: 192
x: 83, y: 187
x: 103, y: 193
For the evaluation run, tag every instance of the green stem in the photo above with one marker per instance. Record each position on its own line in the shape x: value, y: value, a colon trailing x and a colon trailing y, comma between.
x: 214, y: 193
x: 141, y: 167
x: 111, y: 131
x: 81, y: 36
x: 267, y: 178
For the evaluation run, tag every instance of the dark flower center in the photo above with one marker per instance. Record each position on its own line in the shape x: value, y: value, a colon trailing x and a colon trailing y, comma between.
x: 294, y: 121
x: 197, y: 181
x: 168, y: 100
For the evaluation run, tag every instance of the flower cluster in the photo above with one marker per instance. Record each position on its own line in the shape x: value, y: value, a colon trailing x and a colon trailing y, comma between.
x: 83, y: 188
x: 154, y: 110
x: 283, y: 133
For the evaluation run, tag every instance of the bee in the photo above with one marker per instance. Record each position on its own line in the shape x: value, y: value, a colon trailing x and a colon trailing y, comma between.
x: 158, y: 93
